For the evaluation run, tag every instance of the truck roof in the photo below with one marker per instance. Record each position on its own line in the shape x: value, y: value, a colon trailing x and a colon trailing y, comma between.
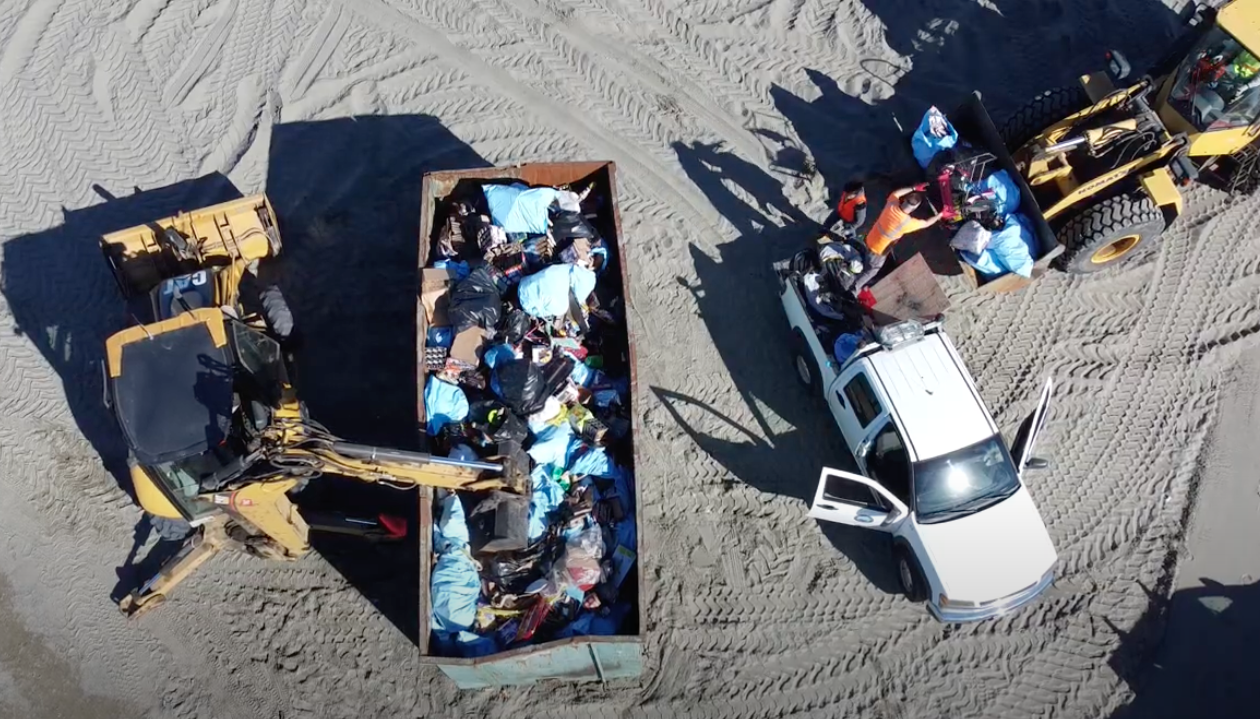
x: 931, y: 396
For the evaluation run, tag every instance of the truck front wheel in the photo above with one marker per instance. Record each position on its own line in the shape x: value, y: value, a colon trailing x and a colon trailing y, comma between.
x: 804, y: 364
x: 909, y: 575
x: 1108, y: 232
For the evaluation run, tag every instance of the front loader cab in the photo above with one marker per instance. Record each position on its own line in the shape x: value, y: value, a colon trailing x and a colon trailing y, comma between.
x: 191, y: 394
x: 1213, y: 95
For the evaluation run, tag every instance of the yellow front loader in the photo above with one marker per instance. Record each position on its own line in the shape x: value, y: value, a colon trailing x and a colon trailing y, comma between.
x: 1105, y: 158
x: 201, y: 388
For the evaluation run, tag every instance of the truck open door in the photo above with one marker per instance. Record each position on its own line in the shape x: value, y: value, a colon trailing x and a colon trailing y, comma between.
x: 848, y: 498
x: 1026, y: 438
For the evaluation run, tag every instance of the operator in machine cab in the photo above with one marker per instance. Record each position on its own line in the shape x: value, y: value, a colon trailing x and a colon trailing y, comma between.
x: 1219, y: 86
x: 895, y: 221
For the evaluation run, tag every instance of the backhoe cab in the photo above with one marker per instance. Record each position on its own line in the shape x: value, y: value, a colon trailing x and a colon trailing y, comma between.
x: 202, y: 392
x: 1105, y: 158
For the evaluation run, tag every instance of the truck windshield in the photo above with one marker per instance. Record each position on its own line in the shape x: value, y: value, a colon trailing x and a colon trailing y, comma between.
x: 964, y: 481
x: 1217, y: 86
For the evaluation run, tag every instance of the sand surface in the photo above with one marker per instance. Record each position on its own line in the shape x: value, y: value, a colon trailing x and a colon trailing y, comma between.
x: 731, y: 122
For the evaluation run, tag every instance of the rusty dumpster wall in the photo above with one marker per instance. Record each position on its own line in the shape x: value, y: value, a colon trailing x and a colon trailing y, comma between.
x: 593, y: 658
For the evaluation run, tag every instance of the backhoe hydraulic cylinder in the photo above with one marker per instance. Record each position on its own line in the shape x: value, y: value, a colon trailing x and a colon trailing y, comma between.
x: 370, y: 453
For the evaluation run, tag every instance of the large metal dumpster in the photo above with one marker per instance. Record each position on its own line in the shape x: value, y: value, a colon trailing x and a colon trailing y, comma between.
x: 591, y: 658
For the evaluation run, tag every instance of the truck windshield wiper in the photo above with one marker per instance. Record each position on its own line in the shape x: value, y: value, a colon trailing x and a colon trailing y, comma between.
x: 973, y: 505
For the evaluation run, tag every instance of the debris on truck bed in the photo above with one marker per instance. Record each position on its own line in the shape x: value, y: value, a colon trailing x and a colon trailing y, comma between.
x: 526, y: 356
x: 979, y: 202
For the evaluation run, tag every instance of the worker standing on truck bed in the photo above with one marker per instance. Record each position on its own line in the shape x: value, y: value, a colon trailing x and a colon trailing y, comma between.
x: 894, y: 222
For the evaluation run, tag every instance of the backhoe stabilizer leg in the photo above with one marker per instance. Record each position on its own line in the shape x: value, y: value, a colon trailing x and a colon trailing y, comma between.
x: 197, y: 550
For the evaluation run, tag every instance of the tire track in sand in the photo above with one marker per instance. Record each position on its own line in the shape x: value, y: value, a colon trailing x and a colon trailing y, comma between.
x: 660, y: 181
x: 205, y: 52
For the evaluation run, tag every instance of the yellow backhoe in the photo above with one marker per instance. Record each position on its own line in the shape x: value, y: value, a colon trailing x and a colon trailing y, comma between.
x: 201, y: 388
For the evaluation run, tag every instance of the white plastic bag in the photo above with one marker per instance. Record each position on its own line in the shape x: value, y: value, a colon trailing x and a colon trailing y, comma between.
x: 971, y: 237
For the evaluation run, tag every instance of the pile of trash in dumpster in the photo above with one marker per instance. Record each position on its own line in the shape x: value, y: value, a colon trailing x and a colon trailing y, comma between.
x: 527, y: 358
x: 980, y: 207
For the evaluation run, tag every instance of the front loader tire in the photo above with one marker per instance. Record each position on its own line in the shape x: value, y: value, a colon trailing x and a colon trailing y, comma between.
x: 1109, y: 232
x: 1041, y: 112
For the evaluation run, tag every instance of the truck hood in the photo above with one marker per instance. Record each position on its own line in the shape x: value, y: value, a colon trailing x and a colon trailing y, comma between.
x: 990, y: 554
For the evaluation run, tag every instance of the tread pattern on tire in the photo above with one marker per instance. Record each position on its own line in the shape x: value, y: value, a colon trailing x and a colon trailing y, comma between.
x: 1122, y: 211
x: 1043, y: 110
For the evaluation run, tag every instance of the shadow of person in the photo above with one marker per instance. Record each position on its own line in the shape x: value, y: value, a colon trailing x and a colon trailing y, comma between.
x: 347, y: 196
x: 65, y: 302
x: 736, y: 296
x: 1193, y: 654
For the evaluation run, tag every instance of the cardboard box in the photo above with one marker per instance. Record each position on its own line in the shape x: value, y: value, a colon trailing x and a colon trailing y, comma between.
x: 467, y: 345
x: 435, y: 286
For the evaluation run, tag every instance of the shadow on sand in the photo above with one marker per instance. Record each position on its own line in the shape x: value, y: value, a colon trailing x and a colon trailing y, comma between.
x: 1203, y: 662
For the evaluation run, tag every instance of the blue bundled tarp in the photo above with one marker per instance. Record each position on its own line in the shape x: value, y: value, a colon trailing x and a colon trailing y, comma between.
x: 443, y: 403
x: 455, y: 584
x: 1005, y: 192
x: 1010, y: 249
x: 518, y: 208
x: 925, y: 143
x: 546, y: 293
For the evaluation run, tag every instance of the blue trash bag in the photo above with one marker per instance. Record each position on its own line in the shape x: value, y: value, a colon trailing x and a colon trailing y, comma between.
x: 546, y: 293
x: 1005, y: 192
x: 551, y: 444
x: 593, y: 461
x: 518, y: 208
x: 925, y: 144
x: 454, y: 590
x: 548, y: 495
x: 470, y: 645
x: 439, y: 337
x: 579, y: 627
x: 496, y: 353
x: 846, y: 345
x: 611, y: 624
x: 443, y: 403
x: 451, y: 531
x: 460, y: 268
x: 1010, y: 246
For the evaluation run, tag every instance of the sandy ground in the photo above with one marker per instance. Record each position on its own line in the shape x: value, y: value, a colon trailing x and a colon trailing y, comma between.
x: 731, y: 123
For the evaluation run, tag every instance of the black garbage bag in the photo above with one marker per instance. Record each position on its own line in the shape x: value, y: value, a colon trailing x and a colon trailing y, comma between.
x: 515, y: 326
x: 568, y: 225
x: 496, y: 422
x: 474, y: 301
x: 521, y: 385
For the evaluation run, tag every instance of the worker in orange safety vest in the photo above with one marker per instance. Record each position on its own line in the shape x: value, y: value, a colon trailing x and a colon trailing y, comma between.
x: 894, y: 222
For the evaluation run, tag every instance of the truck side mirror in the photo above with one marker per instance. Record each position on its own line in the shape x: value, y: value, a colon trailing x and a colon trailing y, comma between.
x: 1117, y: 65
x: 894, y: 515
x: 1036, y: 463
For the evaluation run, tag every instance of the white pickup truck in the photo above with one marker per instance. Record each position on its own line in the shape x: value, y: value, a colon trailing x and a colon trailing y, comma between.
x: 935, y: 471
